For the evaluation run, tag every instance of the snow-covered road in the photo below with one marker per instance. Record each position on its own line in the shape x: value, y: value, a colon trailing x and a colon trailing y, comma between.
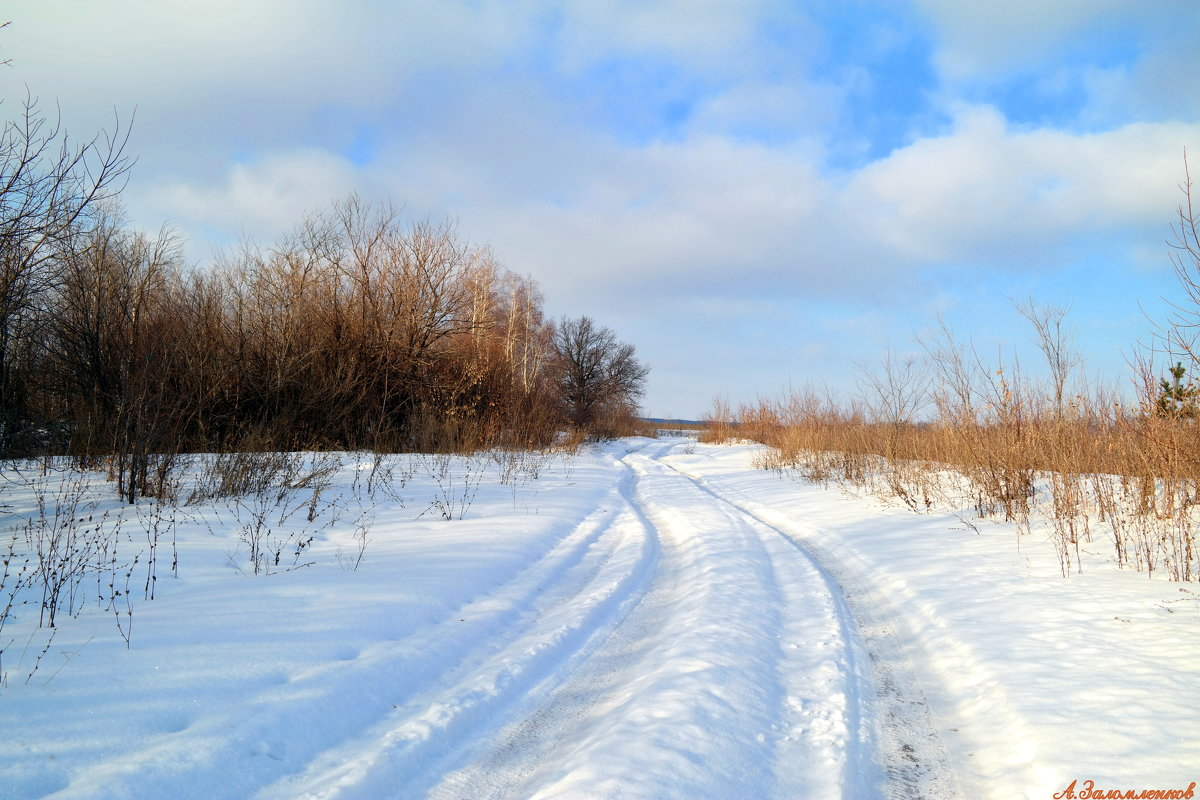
x: 647, y: 619
x: 671, y: 646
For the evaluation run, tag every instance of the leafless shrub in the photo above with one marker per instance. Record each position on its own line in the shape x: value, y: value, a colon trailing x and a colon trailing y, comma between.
x: 66, y: 553
x: 457, y: 481
x: 277, y: 501
x: 388, y: 475
x: 719, y: 423
x: 362, y: 530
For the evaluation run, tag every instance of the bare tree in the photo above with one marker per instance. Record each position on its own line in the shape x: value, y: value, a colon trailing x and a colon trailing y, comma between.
x: 594, y: 372
x: 111, y: 346
x: 897, y: 390
x: 50, y: 191
x: 1180, y: 332
x: 1056, y: 342
x: 954, y: 372
x: 524, y: 331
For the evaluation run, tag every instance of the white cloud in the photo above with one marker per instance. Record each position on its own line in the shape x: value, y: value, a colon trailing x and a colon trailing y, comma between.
x: 358, y: 53
x: 994, y: 37
x: 788, y: 111
x: 1158, y: 86
x: 682, y: 213
x: 264, y: 198
x: 988, y: 193
x: 608, y: 221
x: 303, y: 48
x: 703, y: 33
x: 239, y: 77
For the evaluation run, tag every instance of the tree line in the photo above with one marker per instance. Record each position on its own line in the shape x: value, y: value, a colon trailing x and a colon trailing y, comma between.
x: 356, y: 330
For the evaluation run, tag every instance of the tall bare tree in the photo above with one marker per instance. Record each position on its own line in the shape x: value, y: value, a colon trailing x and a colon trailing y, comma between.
x: 1180, y: 332
x: 594, y: 372
x: 897, y: 389
x: 51, y: 189
x: 952, y: 371
x: 1057, y: 343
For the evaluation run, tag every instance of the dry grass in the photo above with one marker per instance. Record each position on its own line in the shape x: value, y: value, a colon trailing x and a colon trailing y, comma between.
x: 1092, y: 468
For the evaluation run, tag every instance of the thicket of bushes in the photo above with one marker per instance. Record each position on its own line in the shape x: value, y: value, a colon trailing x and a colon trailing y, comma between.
x: 358, y: 330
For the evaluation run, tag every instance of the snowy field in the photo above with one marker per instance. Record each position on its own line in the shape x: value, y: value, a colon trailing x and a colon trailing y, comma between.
x: 645, y: 619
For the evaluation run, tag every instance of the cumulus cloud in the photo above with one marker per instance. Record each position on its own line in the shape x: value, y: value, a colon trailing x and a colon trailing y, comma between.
x: 611, y: 219
x: 689, y: 213
x: 1124, y: 58
x: 265, y: 198
x: 1157, y: 86
x: 695, y: 213
x: 986, y: 192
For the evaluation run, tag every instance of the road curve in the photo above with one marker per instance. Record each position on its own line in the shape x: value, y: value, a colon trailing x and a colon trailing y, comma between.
x: 673, y: 645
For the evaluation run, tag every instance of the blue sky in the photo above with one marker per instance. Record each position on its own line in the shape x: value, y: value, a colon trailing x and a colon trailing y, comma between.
x: 757, y: 194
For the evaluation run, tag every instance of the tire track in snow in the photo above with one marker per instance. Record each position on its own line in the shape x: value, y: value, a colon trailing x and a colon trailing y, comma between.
x: 577, y: 598
x: 908, y: 745
x: 738, y: 644
x: 502, y: 767
x: 331, y: 697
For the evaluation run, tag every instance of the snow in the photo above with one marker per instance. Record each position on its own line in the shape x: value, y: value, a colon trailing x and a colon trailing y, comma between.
x: 647, y: 618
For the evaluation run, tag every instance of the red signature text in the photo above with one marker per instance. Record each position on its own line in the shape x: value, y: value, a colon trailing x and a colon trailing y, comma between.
x: 1089, y: 791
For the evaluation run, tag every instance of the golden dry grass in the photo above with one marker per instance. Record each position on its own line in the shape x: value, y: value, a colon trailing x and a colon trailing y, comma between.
x: 1091, y: 468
